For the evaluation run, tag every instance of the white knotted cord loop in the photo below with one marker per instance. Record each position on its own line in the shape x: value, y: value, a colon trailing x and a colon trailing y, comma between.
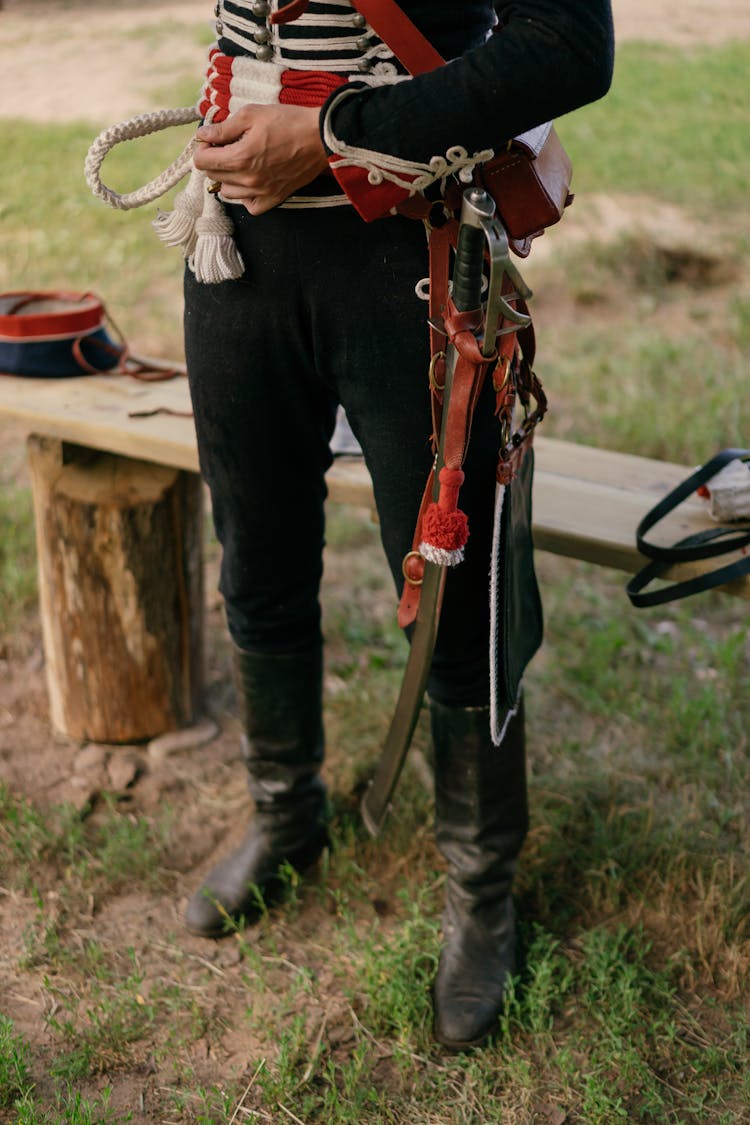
x: 198, y: 223
x: 141, y: 126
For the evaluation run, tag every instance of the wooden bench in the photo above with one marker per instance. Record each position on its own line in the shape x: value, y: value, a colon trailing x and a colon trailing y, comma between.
x: 587, y: 503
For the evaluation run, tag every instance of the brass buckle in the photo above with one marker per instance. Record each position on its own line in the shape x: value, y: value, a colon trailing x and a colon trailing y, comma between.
x: 411, y: 581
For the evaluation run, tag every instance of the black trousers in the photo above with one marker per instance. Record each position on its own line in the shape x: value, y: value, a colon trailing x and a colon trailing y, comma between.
x: 326, y: 313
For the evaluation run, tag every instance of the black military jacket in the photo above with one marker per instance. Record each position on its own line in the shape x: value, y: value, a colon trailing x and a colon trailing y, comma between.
x: 549, y: 57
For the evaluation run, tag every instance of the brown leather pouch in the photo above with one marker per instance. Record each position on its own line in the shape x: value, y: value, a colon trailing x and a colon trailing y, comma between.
x: 529, y: 181
x: 530, y: 184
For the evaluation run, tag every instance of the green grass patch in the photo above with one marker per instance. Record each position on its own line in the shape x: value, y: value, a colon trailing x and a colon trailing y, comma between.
x: 74, y: 241
x: 674, y: 125
x: 100, y: 1034
x: 658, y: 395
x: 70, y: 1108
x: 103, y: 852
x: 17, y: 1090
x: 18, y: 585
x: 15, y: 1081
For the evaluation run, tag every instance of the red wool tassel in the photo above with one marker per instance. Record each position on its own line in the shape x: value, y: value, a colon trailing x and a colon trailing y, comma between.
x: 445, y: 528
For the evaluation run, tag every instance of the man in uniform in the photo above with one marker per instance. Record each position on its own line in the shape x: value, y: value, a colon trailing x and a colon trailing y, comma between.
x: 315, y: 133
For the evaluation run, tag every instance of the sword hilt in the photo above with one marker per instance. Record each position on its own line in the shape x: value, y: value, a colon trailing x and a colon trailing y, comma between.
x: 476, y: 209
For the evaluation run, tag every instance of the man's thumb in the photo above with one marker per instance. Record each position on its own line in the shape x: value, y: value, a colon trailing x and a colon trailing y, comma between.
x: 211, y: 134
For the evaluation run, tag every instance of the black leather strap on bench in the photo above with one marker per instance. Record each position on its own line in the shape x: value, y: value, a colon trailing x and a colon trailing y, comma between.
x: 712, y: 543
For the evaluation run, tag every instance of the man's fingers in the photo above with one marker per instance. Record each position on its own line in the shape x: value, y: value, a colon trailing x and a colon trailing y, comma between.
x: 219, y: 160
x: 224, y: 132
x: 237, y: 193
x: 255, y: 204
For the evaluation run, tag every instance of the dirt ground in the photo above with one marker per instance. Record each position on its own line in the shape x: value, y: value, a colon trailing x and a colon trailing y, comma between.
x: 103, y: 74
x: 80, y: 61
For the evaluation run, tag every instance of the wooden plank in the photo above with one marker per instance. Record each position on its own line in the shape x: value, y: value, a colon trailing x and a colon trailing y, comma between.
x: 96, y: 411
x: 587, y: 501
x: 624, y: 471
x: 596, y: 523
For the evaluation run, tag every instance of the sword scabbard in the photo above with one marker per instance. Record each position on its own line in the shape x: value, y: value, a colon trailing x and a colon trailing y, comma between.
x: 476, y: 213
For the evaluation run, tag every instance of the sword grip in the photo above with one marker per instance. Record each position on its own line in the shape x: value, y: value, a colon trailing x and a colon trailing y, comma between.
x: 467, y: 270
x: 477, y: 208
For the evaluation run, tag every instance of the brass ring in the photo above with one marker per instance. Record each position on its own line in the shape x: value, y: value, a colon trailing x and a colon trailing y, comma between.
x: 433, y: 382
x: 411, y: 581
x: 505, y: 361
x: 214, y: 187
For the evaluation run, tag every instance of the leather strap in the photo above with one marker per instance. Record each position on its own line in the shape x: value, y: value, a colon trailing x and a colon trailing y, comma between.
x: 697, y: 546
x: 398, y: 32
x: 390, y: 23
x: 678, y: 590
x: 707, y: 544
x: 468, y: 378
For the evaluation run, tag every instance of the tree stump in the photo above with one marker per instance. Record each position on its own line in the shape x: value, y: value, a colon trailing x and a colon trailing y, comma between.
x: 119, y: 546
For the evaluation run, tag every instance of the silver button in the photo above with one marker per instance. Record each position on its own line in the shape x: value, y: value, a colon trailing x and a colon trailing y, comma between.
x: 219, y: 27
x: 364, y: 65
x: 262, y: 35
x: 264, y: 53
x: 358, y: 19
x: 362, y: 44
x: 260, y: 8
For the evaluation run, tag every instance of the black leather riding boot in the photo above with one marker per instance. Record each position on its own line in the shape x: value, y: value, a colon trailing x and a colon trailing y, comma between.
x: 481, y: 819
x: 281, y: 708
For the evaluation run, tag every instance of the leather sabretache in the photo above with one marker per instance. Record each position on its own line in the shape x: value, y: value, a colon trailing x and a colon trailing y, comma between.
x: 530, y: 180
x: 519, y: 624
x: 530, y: 184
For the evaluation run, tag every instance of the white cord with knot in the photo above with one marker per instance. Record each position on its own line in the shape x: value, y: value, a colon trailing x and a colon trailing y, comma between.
x: 198, y: 222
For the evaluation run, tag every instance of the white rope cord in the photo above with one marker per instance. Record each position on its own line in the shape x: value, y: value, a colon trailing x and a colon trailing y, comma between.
x: 380, y: 166
x: 141, y: 126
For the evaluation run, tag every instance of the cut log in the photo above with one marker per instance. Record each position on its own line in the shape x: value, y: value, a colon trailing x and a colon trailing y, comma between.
x: 119, y: 546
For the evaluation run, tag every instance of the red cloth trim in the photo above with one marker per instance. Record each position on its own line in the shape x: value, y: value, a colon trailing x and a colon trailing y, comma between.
x: 85, y: 315
x: 217, y: 90
x: 308, y: 87
x: 289, y: 12
x: 371, y: 201
x: 298, y: 87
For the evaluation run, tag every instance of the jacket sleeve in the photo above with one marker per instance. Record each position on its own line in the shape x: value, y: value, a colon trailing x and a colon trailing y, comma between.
x: 547, y: 58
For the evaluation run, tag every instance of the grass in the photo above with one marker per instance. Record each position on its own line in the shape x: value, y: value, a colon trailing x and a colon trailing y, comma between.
x: 634, y: 891
x: 76, y: 242
x: 630, y: 1003
x: 672, y: 126
x: 17, y: 557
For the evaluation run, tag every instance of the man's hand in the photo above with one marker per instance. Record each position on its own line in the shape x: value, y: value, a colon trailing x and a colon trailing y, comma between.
x: 262, y: 153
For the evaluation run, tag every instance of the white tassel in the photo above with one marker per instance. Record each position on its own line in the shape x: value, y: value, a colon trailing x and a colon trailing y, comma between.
x: 440, y: 556
x: 178, y: 227
x: 215, y: 256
